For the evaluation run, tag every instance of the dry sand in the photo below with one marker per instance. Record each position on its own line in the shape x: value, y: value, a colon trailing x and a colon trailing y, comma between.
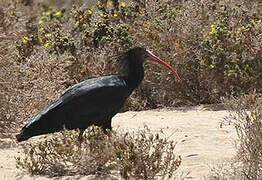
x: 201, y: 142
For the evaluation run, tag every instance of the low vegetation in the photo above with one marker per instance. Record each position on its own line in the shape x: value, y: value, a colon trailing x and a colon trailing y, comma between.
x: 246, y: 115
x: 139, y: 155
x: 215, y: 45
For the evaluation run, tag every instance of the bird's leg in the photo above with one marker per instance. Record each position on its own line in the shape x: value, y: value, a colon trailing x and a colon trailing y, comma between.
x: 80, y: 138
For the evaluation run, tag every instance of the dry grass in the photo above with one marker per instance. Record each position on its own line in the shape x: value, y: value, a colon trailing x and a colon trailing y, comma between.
x: 246, y: 115
x: 138, y: 155
x: 40, y: 60
x: 214, y: 45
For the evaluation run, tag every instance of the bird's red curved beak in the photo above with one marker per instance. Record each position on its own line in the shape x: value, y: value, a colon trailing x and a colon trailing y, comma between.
x: 154, y: 58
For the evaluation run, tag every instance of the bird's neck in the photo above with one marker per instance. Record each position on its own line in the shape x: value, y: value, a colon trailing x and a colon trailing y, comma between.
x: 134, y: 75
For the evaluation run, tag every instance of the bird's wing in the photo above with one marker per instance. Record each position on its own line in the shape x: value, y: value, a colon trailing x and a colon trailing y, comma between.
x: 88, y: 90
x: 94, y: 90
x: 93, y: 102
x: 90, y: 100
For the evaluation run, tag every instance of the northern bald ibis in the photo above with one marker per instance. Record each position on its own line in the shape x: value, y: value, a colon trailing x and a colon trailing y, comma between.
x: 93, y: 101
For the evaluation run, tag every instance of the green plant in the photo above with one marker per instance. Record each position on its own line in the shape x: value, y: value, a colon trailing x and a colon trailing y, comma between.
x: 224, y: 56
x: 26, y: 46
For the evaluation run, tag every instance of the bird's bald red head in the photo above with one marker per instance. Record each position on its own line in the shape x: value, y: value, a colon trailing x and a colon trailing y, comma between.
x: 141, y: 54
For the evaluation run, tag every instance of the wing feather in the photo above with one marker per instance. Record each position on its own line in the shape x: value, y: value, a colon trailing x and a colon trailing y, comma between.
x: 88, y: 102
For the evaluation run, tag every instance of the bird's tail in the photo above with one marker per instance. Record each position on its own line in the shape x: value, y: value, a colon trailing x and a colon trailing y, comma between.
x: 30, y: 129
x: 43, y: 123
x: 22, y: 137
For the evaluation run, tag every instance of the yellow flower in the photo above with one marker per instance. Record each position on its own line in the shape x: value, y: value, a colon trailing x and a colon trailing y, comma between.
x: 147, y: 25
x: 212, y: 29
x: 103, y: 15
x: 109, y: 3
x: 259, y: 21
x: 211, y: 66
x: 58, y: 14
x: 49, y: 35
x: 77, y: 23
x: 47, y: 44
x: 254, y: 117
x: 25, y: 39
x: 142, y: 12
x: 41, y: 29
x: 40, y: 40
x: 115, y: 15
x: 40, y: 22
x: 123, y: 4
x: 48, y: 13
x: 89, y: 12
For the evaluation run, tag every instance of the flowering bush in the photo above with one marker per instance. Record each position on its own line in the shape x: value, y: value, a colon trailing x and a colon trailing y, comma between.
x: 214, y: 45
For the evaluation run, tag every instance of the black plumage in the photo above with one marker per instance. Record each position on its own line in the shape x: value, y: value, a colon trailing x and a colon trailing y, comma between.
x: 93, y: 101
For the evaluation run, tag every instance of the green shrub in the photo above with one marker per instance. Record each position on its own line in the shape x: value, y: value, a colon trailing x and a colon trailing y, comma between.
x: 229, y: 57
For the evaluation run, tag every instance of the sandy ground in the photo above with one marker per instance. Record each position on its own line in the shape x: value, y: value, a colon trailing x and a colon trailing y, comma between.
x: 201, y: 141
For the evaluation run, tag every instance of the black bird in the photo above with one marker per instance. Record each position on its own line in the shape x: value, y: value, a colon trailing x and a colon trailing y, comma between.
x: 93, y: 101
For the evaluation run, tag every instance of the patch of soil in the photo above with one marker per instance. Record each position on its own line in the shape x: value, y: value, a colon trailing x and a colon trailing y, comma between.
x: 201, y: 140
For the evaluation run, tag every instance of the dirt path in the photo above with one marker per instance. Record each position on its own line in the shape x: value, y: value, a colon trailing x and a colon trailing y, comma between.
x: 201, y: 141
